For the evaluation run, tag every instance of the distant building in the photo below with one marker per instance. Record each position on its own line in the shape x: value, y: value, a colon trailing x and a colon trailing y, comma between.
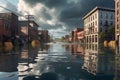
x: 28, y: 30
x: 8, y: 25
x: 74, y: 35
x: 66, y: 38
x: 80, y: 36
x: 117, y: 19
x: 43, y: 36
x: 71, y: 35
x: 96, y: 21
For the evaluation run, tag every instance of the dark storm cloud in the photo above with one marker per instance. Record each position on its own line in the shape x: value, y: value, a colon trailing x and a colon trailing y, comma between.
x: 48, y: 3
x: 45, y: 14
x: 81, y: 8
x: 68, y: 12
x: 71, y: 9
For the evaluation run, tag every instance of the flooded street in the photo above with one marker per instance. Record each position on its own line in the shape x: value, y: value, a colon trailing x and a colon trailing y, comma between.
x: 60, y: 61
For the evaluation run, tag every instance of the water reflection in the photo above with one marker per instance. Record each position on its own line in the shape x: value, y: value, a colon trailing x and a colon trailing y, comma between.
x: 117, y: 64
x: 98, y: 60
x: 8, y: 66
x: 27, y: 60
x: 75, y: 49
x: 60, y: 61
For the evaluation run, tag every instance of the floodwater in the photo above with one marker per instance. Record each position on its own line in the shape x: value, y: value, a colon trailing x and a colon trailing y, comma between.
x: 60, y: 61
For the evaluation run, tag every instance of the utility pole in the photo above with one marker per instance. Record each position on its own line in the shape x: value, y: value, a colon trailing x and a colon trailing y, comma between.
x: 28, y: 17
x: 119, y: 27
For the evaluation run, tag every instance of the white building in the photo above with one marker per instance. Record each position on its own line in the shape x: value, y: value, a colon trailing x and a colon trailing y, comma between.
x: 97, y: 20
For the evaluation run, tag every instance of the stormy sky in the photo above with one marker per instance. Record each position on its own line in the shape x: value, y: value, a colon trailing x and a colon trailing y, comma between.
x: 60, y: 16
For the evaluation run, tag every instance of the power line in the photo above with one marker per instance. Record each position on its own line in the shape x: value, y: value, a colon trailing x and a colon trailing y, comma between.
x: 10, y: 3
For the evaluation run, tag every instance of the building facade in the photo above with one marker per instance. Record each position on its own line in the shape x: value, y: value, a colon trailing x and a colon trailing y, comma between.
x: 117, y: 19
x: 8, y: 25
x: 28, y: 30
x: 75, y: 34
x: 44, y: 36
x: 12, y: 22
x: 4, y: 29
x: 96, y: 21
x: 80, y: 36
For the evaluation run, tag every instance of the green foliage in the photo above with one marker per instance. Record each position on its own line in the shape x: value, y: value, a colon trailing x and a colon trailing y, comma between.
x: 102, y: 36
x: 111, y: 32
x: 109, y: 35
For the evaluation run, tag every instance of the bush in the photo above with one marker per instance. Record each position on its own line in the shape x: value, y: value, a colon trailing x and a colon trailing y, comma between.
x: 8, y: 46
x: 35, y: 43
x: 112, y: 44
x: 105, y: 43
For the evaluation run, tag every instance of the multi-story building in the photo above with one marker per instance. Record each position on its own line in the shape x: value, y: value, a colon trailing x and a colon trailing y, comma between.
x: 28, y: 30
x: 4, y: 29
x: 80, y: 36
x: 75, y: 36
x: 8, y: 25
x: 117, y: 19
x: 96, y: 21
x: 71, y: 37
x: 44, y: 36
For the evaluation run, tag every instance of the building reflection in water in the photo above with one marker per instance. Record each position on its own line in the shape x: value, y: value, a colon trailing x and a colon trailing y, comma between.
x: 98, y: 60
x: 75, y: 49
x: 8, y: 66
x: 117, y: 64
x: 27, y: 59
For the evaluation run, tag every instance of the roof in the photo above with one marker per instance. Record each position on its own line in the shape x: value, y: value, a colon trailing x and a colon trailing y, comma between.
x: 24, y: 22
x: 98, y: 8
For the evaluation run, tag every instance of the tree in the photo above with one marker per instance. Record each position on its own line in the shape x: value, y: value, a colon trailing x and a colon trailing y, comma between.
x: 102, y: 36
x: 111, y: 32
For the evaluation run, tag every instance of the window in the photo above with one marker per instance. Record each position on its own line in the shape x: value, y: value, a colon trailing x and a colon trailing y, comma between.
x: 101, y: 15
x: 96, y: 23
x: 117, y: 4
x: 101, y: 23
x: 117, y: 12
x: 106, y: 15
x: 106, y: 23
x: 117, y: 26
x: 95, y: 38
x: 111, y: 16
x: 95, y: 15
x: 111, y: 23
x: 117, y: 19
x: 5, y: 26
x: 100, y: 29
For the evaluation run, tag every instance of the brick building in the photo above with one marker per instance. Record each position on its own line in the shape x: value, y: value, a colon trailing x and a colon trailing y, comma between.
x: 4, y: 29
x: 8, y: 26
x: 43, y: 36
x: 28, y: 30
x: 117, y: 19
x: 75, y: 34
